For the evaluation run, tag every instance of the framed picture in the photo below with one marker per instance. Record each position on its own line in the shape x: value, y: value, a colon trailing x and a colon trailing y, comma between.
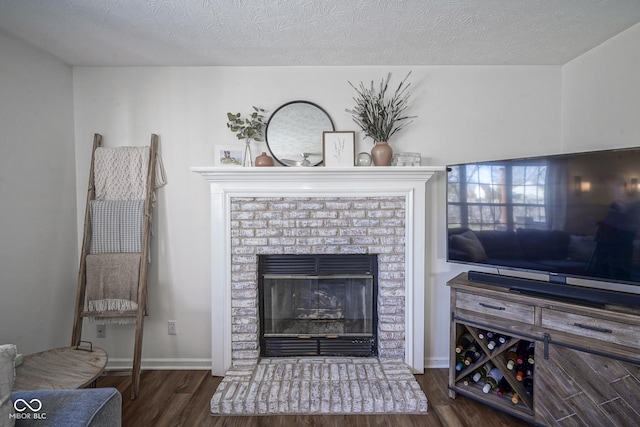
x: 229, y: 155
x: 339, y: 148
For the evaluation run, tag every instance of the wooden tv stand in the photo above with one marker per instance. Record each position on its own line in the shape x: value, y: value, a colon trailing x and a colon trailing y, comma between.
x: 587, y: 360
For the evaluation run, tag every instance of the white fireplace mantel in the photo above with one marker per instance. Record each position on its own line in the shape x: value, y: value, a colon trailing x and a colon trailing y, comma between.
x: 229, y: 182
x: 314, y: 175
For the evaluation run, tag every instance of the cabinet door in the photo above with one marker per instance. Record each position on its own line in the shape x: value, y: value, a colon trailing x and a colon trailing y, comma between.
x: 576, y: 388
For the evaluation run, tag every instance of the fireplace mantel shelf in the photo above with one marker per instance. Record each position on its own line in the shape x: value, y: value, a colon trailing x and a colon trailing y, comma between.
x: 315, y: 174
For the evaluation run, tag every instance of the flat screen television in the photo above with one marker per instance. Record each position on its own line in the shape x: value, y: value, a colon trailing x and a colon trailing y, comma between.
x: 573, y: 216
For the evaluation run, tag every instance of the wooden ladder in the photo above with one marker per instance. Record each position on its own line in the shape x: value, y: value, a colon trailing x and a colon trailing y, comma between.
x: 80, y: 307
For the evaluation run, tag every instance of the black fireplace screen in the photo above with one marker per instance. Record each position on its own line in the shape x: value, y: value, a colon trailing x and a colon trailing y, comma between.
x: 314, y: 312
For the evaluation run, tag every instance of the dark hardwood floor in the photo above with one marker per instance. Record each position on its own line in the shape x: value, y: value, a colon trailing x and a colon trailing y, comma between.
x: 181, y: 398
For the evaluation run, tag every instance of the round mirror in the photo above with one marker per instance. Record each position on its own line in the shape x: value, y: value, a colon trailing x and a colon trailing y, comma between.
x: 294, y: 133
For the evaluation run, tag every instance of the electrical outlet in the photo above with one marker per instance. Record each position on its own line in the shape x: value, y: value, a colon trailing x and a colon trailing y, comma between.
x: 173, y: 327
x: 101, y: 331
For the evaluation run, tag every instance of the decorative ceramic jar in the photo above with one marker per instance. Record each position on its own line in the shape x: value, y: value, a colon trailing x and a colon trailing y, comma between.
x: 264, y: 160
x: 382, y: 154
x: 363, y: 159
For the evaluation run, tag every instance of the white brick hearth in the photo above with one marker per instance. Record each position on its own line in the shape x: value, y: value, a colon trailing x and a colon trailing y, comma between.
x: 316, y: 385
x: 317, y: 211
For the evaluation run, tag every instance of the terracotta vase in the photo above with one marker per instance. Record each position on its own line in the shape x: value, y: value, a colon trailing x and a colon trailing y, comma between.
x: 382, y: 154
x: 264, y: 160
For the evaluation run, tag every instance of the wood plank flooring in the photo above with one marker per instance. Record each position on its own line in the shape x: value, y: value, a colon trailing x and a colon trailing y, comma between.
x: 181, y: 398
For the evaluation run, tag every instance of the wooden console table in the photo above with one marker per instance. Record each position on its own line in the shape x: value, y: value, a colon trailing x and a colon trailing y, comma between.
x: 60, y: 368
x: 587, y: 360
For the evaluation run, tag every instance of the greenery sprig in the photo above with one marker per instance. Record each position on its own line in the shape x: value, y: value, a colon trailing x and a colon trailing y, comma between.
x: 378, y: 117
x: 251, y: 127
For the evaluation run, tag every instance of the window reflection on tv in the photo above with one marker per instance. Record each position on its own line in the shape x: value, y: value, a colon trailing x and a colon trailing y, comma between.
x: 576, y: 215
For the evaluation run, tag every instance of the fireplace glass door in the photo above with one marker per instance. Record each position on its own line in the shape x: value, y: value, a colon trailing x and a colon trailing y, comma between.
x: 320, y: 304
x: 317, y: 306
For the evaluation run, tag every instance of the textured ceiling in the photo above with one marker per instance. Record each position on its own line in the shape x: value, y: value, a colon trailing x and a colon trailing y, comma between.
x: 316, y: 32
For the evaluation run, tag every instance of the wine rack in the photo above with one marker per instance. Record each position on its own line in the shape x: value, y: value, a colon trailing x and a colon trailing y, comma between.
x: 496, y: 357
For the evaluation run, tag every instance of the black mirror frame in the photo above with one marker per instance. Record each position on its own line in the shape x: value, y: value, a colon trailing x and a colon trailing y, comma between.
x: 266, y: 132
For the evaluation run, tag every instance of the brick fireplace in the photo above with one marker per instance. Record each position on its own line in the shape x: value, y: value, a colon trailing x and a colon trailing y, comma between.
x: 367, y: 210
x: 317, y: 225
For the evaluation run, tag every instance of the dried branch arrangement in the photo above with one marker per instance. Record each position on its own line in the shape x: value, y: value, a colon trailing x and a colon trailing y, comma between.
x: 378, y: 117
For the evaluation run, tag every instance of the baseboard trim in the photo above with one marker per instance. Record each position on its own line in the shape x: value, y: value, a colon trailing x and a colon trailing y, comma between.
x: 123, y: 364
x: 435, y: 363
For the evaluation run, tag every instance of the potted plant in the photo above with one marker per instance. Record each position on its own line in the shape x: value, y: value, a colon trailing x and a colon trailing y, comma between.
x: 381, y: 116
x: 248, y: 128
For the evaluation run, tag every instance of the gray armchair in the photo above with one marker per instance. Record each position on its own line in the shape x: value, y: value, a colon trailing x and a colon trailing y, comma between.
x: 95, y: 407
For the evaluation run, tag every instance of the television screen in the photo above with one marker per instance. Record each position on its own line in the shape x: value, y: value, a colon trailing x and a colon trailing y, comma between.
x: 569, y: 215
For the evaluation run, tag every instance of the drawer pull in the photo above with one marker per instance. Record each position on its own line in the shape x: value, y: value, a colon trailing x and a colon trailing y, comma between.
x: 593, y: 328
x: 493, y: 307
x: 547, y: 338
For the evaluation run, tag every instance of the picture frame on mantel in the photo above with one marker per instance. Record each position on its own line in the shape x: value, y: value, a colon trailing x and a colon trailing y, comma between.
x: 339, y: 148
x: 228, y: 155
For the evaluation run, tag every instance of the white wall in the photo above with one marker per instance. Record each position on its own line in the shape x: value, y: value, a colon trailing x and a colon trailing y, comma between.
x: 601, y: 95
x: 38, y: 250
x: 464, y: 113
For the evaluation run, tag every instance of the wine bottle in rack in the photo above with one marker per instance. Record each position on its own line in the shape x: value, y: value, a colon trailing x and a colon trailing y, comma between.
x: 491, y: 380
x: 465, y: 341
x: 482, y: 334
x: 471, y: 356
x: 521, y: 352
x: 491, y: 343
x: 515, y: 398
x: 511, y: 359
x: 528, y: 386
x: 460, y: 362
x: 481, y: 372
x: 502, y: 339
x: 520, y: 372
x: 523, y: 370
x: 529, y: 353
x: 503, y: 386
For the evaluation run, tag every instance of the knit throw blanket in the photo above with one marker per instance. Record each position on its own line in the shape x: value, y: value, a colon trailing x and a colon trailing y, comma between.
x: 112, y: 284
x: 121, y: 173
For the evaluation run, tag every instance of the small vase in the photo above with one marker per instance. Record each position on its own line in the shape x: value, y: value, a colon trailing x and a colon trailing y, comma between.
x: 264, y: 160
x: 382, y: 154
x: 247, y: 160
x: 363, y: 159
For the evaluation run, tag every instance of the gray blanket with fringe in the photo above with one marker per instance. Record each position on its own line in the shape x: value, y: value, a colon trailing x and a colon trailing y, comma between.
x: 112, y: 284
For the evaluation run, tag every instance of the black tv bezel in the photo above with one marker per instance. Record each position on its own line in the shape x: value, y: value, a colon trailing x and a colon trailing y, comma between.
x: 556, y: 285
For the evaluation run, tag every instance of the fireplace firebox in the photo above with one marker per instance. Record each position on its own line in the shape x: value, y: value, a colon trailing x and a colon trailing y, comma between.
x: 318, y: 305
